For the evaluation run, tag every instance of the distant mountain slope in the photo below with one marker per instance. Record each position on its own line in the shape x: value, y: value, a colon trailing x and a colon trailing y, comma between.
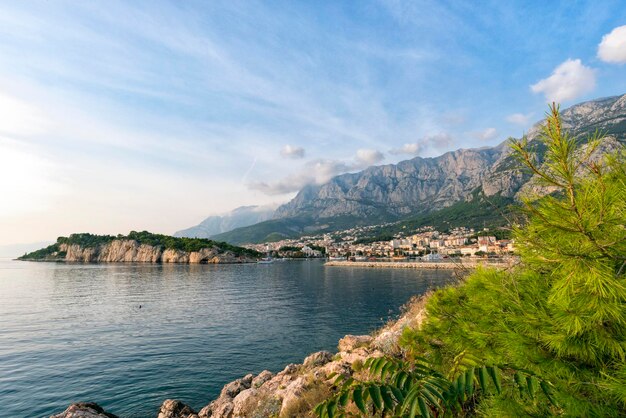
x: 395, y: 190
x: 283, y: 228
x: 423, y: 186
x: 240, y: 217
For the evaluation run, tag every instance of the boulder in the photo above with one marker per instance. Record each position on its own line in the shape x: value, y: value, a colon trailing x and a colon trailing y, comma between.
x: 289, y: 370
x: 223, y: 409
x: 352, y: 342
x: 359, y: 354
x: 244, y: 402
x: 84, y: 410
x: 292, y: 394
x: 235, y: 387
x: 206, y: 412
x: 263, y: 377
x: 334, y: 368
x: 318, y: 359
x: 172, y: 408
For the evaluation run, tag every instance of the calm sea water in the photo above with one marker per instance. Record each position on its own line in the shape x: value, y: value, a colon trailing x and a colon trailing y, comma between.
x: 72, y: 332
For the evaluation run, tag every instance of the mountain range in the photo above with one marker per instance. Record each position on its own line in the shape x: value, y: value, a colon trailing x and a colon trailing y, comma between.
x: 420, y: 188
x: 237, y: 218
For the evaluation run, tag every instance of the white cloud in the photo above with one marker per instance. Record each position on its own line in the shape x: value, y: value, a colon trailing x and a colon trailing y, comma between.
x: 520, y: 118
x: 313, y: 172
x: 568, y: 81
x: 486, y: 135
x: 318, y: 171
x: 436, y: 142
x: 292, y: 151
x: 410, y: 149
x: 366, y: 157
x: 612, y: 48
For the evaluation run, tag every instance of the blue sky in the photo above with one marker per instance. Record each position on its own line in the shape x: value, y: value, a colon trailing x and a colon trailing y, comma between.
x: 153, y: 115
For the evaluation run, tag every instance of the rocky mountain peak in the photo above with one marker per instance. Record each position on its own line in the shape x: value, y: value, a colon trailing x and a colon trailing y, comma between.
x: 421, y: 185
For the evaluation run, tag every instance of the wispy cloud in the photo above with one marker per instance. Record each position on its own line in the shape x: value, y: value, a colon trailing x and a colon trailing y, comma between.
x: 429, y: 143
x: 292, y: 151
x: 366, y: 157
x: 155, y: 105
x: 486, y: 134
x: 520, y: 119
x: 568, y: 81
x: 318, y: 171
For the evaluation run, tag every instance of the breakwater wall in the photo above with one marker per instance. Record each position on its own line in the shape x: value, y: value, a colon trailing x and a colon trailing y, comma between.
x: 444, y: 265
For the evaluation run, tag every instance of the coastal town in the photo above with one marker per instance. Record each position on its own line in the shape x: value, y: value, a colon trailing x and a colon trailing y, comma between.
x: 424, y: 244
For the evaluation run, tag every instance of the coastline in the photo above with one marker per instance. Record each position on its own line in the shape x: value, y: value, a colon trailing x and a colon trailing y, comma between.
x: 63, y: 261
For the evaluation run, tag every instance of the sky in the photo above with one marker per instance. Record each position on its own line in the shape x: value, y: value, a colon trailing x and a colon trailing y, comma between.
x: 152, y: 115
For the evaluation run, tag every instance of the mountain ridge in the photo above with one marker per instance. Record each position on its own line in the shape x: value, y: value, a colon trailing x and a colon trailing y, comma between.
x: 420, y: 186
x: 237, y: 218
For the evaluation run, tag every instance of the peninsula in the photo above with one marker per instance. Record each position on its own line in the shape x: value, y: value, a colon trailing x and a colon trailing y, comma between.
x: 141, y: 247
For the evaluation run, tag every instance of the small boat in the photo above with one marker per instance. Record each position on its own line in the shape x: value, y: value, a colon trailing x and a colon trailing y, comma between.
x: 265, y: 260
x: 360, y: 258
x: 333, y: 258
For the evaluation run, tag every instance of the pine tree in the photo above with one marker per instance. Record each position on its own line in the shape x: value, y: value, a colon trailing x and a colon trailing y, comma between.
x: 576, y: 238
x: 556, y: 322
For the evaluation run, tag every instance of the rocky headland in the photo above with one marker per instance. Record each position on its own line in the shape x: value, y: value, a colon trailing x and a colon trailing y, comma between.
x: 140, y: 247
x: 120, y: 251
x: 292, y: 392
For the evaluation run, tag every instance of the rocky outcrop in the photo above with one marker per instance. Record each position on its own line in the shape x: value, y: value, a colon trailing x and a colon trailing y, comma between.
x: 84, y: 410
x: 124, y: 250
x: 352, y: 342
x: 176, y: 409
x: 318, y: 359
x: 174, y: 256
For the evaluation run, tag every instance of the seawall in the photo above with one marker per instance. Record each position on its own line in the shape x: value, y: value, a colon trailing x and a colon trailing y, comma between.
x: 446, y: 265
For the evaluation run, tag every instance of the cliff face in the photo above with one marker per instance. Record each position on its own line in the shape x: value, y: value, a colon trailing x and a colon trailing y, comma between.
x: 417, y: 185
x: 131, y: 251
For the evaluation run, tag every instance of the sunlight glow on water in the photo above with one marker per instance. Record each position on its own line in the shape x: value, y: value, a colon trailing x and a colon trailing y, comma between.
x: 73, y: 332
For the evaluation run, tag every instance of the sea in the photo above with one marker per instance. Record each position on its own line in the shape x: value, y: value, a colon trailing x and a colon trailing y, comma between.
x: 128, y: 336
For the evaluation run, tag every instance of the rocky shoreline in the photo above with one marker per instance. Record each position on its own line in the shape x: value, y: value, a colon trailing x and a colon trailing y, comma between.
x: 130, y: 251
x: 294, y: 391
